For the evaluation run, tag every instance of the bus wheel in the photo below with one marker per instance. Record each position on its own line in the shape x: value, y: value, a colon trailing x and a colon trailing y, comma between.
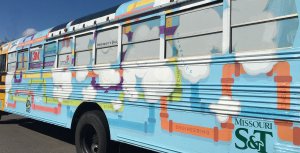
x: 90, y: 135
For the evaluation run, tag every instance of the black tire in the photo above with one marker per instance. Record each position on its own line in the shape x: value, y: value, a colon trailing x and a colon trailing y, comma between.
x: 90, y: 135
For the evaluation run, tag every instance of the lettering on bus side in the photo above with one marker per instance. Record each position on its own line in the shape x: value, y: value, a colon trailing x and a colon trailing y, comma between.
x: 253, y: 134
x: 105, y: 44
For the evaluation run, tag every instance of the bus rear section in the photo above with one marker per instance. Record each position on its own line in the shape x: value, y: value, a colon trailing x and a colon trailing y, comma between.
x: 2, y: 78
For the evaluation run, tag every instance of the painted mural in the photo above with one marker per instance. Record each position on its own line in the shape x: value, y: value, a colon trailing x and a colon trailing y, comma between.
x: 244, y: 99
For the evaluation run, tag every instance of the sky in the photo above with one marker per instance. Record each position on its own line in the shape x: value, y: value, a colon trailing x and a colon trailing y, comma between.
x: 24, y: 17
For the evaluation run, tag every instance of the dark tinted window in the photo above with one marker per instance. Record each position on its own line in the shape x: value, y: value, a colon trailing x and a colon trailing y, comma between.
x: 2, y: 62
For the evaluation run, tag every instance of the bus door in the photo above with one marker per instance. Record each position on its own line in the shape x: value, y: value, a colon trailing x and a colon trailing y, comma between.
x: 2, y: 80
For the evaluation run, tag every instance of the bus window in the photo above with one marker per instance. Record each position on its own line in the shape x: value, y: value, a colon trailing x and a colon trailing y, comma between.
x: 202, y: 37
x: 2, y: 72
x: 107, y: 47
x: 2, y: 63
x: 65, y: 53
x: 244, y: 11
x: 263, y: 24
x: 22, y: 60
x: 50, y: 55
x: 141, y: 41
x: 12, y: 62
x: 83, y: 50
x: 35, y: 58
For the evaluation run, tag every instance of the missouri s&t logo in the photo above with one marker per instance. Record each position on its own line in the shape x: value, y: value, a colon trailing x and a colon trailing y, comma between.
x: 252, y: 139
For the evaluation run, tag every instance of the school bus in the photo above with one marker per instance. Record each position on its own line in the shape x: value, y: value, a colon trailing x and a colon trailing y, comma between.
x: 192, y: 76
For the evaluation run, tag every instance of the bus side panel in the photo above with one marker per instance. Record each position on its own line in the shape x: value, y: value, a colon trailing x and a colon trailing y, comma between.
x: 32, y: 95
x: 167, y: 108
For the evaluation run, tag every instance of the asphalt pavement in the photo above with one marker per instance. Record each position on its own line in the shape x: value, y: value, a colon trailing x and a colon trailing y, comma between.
x: 23, y: 135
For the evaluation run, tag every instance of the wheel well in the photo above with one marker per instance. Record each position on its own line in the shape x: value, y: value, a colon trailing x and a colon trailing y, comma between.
x: 85, y: 107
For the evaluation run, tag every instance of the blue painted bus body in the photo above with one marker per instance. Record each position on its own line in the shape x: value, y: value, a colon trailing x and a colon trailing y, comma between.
x: 225, y: 101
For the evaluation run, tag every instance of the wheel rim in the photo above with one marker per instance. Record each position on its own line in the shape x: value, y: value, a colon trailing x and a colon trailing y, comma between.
x: 89, y: 140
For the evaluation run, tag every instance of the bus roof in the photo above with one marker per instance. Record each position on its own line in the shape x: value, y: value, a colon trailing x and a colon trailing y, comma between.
x: 95, y: 15
x: 124, y: 10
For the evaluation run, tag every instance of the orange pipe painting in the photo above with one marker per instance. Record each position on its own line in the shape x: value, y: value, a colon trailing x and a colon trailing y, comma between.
x: 283, y: 79
x: 215, y: 134
x: 287, y: 132
x: 230, y: 70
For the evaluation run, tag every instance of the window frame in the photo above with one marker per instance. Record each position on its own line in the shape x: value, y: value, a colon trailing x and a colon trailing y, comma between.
x: 41, y: 54
x: 54, y: 55
x: 16, y: 61
x: 71, y: 38
x: 113, y: 27
x: 257, y: 22
x: 81, y: 51
x: 137, y: 22
x: 199, y: 33
x: 22, y: 51
x: 134, y: 21
x: 4, y: 57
